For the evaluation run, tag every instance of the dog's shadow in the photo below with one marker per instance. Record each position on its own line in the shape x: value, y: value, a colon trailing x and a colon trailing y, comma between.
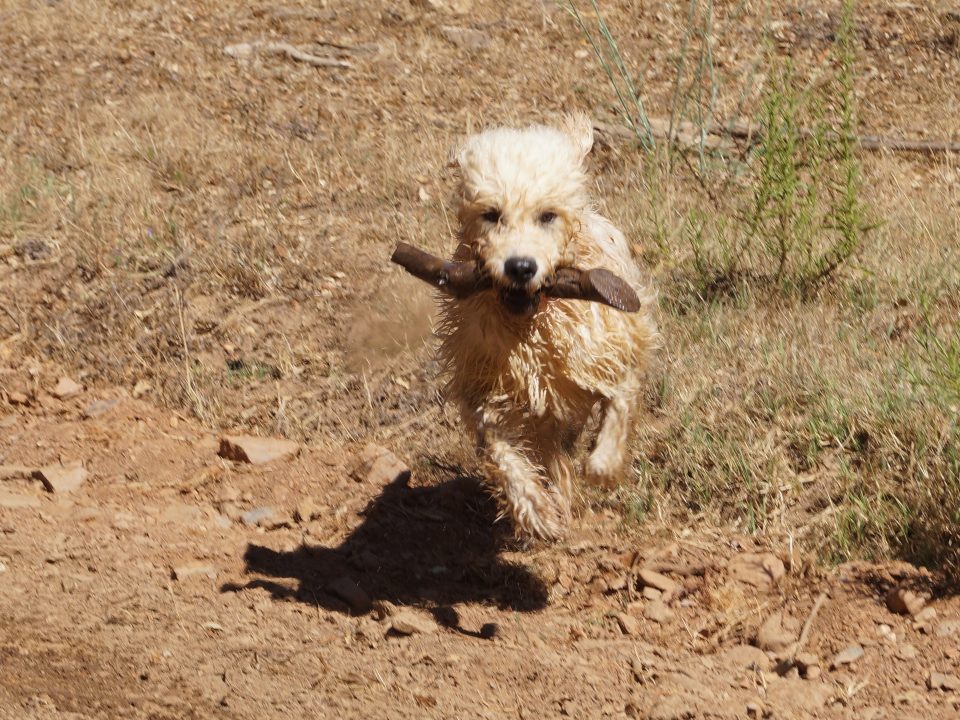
x: 431, y: 547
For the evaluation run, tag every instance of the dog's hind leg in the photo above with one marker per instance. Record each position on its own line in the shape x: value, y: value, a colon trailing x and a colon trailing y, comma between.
x: 605, y: 463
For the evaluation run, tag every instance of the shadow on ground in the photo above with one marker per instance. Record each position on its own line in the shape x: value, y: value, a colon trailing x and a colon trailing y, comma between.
x: 431, y: 547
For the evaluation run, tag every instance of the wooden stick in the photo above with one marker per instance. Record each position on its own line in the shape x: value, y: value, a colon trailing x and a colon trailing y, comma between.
x: 686, y: 133
x: 462, y: 279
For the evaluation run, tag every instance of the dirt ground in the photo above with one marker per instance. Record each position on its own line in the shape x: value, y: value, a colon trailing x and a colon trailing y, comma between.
x: 199, y: 239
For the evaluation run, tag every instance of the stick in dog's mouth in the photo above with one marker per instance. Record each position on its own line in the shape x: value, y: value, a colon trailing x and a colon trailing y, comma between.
x: 463, y: 279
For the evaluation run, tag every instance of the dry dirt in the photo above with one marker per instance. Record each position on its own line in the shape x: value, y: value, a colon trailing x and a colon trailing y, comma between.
x: 147, y: 592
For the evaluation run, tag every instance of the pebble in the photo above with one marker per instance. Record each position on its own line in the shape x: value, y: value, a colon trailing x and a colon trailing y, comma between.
x: 774, y: 636
x: 99, y: 407
x: 904, y: 602
x: 15, y: 472
x: 62, y: 478
x: 806, y: 660
x: 761, y: 570
x: 18, y: 398
x: 947, y: 628
x: 306, y: 511
x: 651, y: 593
x: 181, y: 514
x: 906, y: 652
x: 66, y: 388
x: 351, y: 593
x: 659, y: 581
x: 256, y: 450
x: 942, y: 681
x: 657, y: 611
x: 16, y: 501
x: 193, y: 568
x: 257, y: 516
x: 379, y: 466
x: 847, y: 657
x: 629, y: 625
x: 466, y: 38
x: 747, y: 656
x: 923, y: 619
x: 672, y: 707
x: 406, y: 622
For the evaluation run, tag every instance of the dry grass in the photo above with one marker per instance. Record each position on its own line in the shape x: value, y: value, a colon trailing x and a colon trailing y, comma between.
x: 221, y: 228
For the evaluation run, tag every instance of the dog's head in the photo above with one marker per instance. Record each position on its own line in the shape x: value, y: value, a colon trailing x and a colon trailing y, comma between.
x: 522, y: 194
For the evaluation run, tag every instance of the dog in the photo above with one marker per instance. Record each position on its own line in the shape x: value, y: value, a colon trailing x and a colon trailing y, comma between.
x: 526, y: 370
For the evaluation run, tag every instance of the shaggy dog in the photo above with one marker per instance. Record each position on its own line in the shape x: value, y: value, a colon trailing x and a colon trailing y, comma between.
x: 527, y: 371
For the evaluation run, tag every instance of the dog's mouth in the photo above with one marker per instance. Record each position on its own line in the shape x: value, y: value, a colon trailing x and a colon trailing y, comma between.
x: 519, y: 301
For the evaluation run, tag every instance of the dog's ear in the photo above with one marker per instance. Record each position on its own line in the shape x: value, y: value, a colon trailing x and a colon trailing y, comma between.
x: 579, y: 128
x: 455, y: 155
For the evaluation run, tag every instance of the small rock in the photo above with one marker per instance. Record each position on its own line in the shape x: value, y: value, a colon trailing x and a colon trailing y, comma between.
x: 904, y: 602
x: 806, y: 660
x: 379, y: 466
x: 847, y: 657
x: 761, y: 570
x: 15, y: 501
x: 257, y: 516
x: 66, y: 388
x: 616, y: 583
x: 629, y: 625
x: 181, y: 514
x: 651, y: 578
x: 651, y: 593
x: 62, y: 478
x: 306, y: 511
x: 17, y: 398
x: 906, y: 652
x: 657, y: 611
x: 406, y: 622
x: 923, y: 619
x: 812, y: 673
x: 942, y: 681
x: 672, y: 707
x: 99, y: 407
x: 141, y: 388
x: 193, y: 568
x: 352, y: 594
x: 755, y: 709
x: 256, y: 450
x: 774, y: 635
x: 947, y: 628
x: 15, y: 472
x: 748, y: 657
x: 466, y: 38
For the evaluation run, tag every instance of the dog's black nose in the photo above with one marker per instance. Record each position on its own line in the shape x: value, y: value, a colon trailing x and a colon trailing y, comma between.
x: 520, y: 269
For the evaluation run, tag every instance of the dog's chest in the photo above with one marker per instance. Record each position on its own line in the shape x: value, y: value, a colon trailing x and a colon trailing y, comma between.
x: 535, y: 367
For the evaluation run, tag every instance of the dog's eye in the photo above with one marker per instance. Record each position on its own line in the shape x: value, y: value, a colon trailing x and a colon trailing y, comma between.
x: 491, y: 216
x: 547, y: 217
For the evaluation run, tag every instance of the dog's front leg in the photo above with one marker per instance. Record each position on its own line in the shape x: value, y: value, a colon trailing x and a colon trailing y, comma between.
x: 538, y: 507
x: 604, y: 466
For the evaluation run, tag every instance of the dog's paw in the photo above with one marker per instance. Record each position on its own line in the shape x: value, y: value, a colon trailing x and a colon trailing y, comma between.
x: 543, y: 514
x: 600, y: 473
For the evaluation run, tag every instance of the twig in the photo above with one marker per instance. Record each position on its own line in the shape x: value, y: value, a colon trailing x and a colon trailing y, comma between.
x: 687, y: 134
x: 245, y: 50
x: 805, y: 632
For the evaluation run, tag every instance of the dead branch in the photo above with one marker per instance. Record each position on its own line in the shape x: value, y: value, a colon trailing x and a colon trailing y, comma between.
x: 687, y: 134
x: 246, y: 50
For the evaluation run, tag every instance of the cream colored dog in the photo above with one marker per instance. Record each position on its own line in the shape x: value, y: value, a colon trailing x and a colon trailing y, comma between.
x: 527, y: 370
